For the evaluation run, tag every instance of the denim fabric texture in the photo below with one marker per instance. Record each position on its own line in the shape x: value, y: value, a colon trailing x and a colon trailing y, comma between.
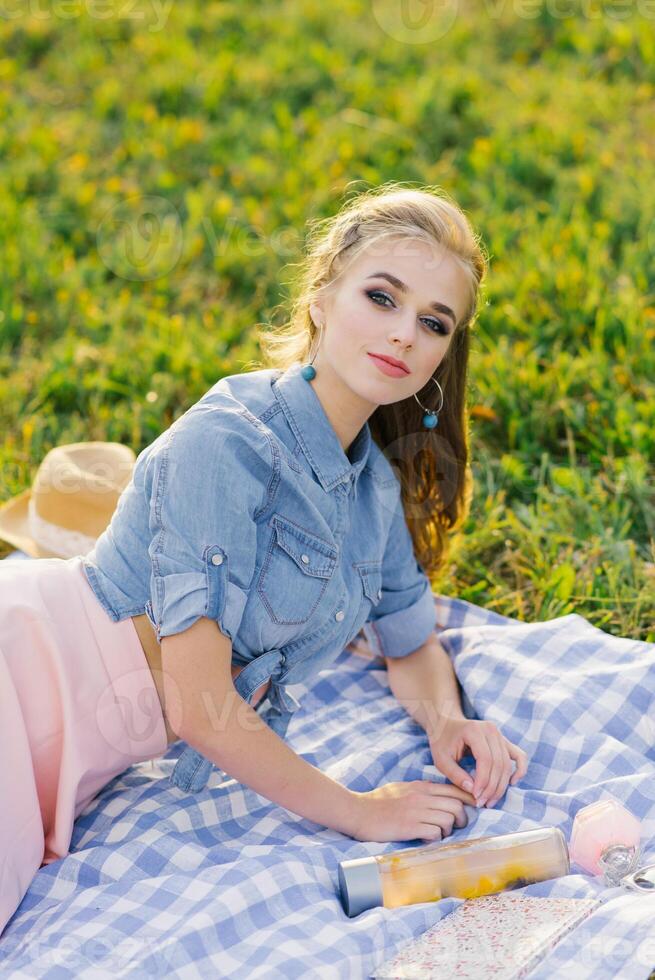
x: 248, y: 511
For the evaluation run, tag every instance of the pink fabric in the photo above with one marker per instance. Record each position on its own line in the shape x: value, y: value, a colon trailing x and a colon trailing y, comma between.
x: 78, y: 706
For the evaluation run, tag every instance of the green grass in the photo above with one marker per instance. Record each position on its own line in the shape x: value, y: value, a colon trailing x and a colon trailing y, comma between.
x: 244, y: 122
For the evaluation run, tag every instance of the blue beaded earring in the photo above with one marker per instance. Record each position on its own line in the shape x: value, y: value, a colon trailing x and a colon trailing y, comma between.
x: 308, y: 371
x: 431, y: 419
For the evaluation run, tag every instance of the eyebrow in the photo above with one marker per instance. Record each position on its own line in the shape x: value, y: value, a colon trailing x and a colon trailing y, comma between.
x: 437, y: 307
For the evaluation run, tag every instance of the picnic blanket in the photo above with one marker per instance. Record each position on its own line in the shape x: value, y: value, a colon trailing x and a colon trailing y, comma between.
x: 226, y: 883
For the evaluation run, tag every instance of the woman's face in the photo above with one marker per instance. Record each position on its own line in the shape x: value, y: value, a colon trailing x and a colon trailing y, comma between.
x: 368, y: 314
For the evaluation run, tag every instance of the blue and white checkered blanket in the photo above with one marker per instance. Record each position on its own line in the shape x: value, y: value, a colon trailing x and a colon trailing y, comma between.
x: 225, y: 883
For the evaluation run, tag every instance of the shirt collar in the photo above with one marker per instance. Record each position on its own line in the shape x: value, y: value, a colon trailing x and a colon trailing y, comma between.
x: 313, y: 430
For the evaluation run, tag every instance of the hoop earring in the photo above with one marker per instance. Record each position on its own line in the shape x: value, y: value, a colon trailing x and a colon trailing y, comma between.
x: 308, y: 371
x: 431, y: 419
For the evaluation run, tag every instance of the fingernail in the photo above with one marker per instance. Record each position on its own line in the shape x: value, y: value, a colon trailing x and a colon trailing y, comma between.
x: 481, y: 801
x: 492, y: 802
x: 467, y: 785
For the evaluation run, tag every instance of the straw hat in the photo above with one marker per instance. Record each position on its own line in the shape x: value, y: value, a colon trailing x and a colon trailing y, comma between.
x: 71, y: 501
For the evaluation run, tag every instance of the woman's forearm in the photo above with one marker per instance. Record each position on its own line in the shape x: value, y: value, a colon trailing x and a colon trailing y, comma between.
x: 240, y: 743
x: 424, y: 682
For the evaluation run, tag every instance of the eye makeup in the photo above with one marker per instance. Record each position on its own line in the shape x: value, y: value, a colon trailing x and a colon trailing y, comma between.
x: 440, y: 328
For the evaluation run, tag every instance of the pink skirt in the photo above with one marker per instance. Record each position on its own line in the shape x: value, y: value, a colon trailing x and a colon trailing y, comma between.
x: 78, y: 706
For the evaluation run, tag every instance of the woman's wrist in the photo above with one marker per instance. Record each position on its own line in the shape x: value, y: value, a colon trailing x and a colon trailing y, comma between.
x: 352, y: 814
x: 424, y: 682
x: 450, y: 717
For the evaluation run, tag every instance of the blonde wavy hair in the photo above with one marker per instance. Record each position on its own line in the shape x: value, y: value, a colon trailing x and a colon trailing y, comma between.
x: 433, y: 466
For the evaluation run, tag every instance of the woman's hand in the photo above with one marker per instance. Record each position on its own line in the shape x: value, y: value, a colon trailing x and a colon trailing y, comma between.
x: 494, y: 757
x: 419, y: 808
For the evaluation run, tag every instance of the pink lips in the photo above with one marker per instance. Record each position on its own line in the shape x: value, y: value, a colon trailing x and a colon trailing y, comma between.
x: 391, y: 370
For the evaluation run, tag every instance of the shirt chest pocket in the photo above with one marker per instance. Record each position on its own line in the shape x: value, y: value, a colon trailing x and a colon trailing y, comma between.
x: 370, y: 573
x: 296, y: 572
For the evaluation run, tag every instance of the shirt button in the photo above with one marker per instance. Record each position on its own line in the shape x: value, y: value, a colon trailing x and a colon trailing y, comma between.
x: 379, y: 593
x: 304, y: 559
x: 339, y: 616
x: 217, y: 559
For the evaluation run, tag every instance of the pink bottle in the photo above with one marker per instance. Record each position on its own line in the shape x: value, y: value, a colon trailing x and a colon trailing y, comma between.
x: 605, y: 840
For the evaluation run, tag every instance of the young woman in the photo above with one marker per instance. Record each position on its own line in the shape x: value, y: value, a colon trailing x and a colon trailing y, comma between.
x: 257, y: 537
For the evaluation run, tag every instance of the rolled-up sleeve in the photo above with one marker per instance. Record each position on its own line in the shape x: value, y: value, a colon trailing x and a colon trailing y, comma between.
x: 406, y: 613
x: 207, y: 483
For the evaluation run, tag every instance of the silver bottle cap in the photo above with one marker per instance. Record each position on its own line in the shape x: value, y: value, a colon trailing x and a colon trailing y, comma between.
x: 360, y: 885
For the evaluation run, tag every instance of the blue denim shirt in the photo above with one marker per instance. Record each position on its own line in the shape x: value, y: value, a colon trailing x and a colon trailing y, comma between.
x: 248, y: 511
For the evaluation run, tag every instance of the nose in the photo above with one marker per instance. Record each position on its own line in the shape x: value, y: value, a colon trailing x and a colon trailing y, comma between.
x: 404, y: 331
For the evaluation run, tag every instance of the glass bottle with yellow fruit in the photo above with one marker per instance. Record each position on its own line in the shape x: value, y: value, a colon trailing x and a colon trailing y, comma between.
x: 470, y: 869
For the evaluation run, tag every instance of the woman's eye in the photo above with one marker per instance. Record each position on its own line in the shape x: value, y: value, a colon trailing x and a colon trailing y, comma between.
x: 374, y: 293
x: 438, y: 328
